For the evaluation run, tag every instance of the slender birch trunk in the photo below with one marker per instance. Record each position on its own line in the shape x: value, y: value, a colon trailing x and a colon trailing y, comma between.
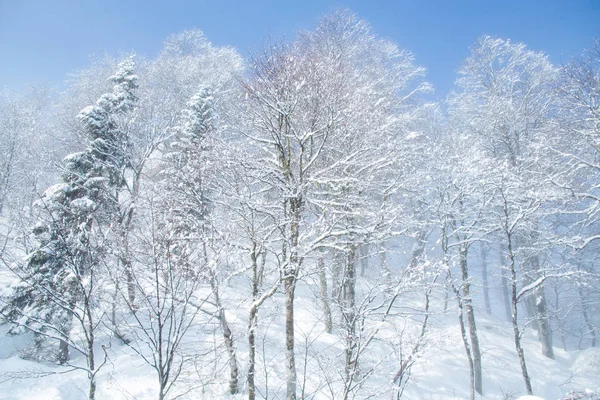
x: 484, y: 278
x: 505, y: 288
x: 227, y: 334
x: 349, y: 312
x: 290, y: 361
x: 586, y: 317
x: 514, y: 311
x: 465, y: 339
x: 324, y: 295
x: 468, y: 306
x: 541, y: 312
x: 289, y: 280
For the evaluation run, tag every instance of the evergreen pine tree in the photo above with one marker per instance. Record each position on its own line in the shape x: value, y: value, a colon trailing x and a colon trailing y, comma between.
x: 58, y: 273
x: 186, y: 165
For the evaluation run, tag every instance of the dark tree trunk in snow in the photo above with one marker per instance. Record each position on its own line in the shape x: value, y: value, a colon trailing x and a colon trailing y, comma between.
x: 545, y: 331
x: 227, y: 337
x: 541, y: 313
x: 90, y: 351
x: 251, y: 353
x: 586, y: 318
x: 466, y: 294
x: 125, y: 222
x: 290, y: 287
x: 336, y: 276
x: 229, y: 345
x: 385, y: 269
x: 447, y: 285
x: 289, y: 280
x: 5, y: 175
x: 529, y: 302
x: 63, y: 352
x: 92, y: 391
x: 465, y: 339
x: 418, y: 250
x: 130, y: 285
x: 324, y: 295
x: 252, y: 324
x: 484, y: 278
x: 257, y: 275
x: 560, y: 324
x: 505, y: 290
x: 349, y: 313
x: 65, y: 330
x: 514, y: 311
x: 364, y: 259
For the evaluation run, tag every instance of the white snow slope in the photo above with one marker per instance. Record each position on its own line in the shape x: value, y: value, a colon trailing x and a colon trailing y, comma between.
x: 440, y: 373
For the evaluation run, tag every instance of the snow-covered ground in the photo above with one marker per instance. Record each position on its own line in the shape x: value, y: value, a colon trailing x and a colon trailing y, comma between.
x: 443, y: 372
x: 440, y: 373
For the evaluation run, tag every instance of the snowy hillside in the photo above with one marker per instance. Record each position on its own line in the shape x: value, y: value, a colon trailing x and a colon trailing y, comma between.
x: 441, y: 371
x: 303, y: 224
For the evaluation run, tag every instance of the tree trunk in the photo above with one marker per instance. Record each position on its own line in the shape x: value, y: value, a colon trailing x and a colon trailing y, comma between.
x: 537, y: 307
x: 252, y: 324
x: 5, y: 177
x: 505, y: 291
x: 227, y: 337
x: 252, y: 353
x: 586, y: 317
x: 476, y: 352
x: 418, y: 250
x: 63, y: 352
x: 91, y: 366
x: 465, y: 339
x: 324, y: 295
x: 385, y: 269
x: 530, y: 308
x: 113, y: 315
x: 65, y: 330
x: 252, y: 321
x: 90, y: 338
x: 92, y: 391
x: 364, y: 259
x: 515, y: 324
x: 289, y: 280
x: 541, y: 310
x: 559, y: 322
x: 229, y: 345
x: 349, y: 313
x: 545, y: 330
x: 403, y: 374
x: 130, y: 285
x: 447, y: 285
x: 336, y: 274
x: 125, y: 222
x: 484, y: 278
x: 290, y: 287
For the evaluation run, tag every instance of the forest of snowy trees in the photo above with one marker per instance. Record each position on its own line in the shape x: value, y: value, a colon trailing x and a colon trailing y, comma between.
x: 270, y: 223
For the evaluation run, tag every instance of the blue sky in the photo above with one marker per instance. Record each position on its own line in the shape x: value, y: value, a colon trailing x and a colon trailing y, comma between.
x: 44, y: 40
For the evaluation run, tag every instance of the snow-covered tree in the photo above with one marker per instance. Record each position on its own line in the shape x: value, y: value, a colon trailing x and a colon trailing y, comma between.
x: 58, y: 283
x: 575, y: 150
x: 189, y: 177
x: 505, y: 98
x: 325, y: 123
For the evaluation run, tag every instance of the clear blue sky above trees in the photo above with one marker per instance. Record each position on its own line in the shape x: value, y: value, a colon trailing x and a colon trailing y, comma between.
x: 43, y: 40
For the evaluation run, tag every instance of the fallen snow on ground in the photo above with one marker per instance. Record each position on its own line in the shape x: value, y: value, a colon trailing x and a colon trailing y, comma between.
x: 587, y: 362
x: 441, y: 372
